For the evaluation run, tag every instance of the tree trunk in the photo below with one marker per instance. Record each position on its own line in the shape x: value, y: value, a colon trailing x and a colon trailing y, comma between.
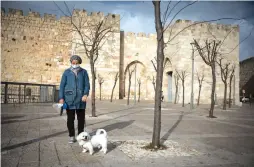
x: 139, y: 92
x: 225, y: 96
x: 111, y: 99
x: 159, y: 76
x: 176, y: 94
x: 93, y: 88
x: 183, y: 93
x: 154, y: 87
x: 100, y: 91
x: 213, y: 92
x: 176, y: 85
x: 230, y: 91
x: 129, y: 88
x: 124, y: 90
x: 199, y: 91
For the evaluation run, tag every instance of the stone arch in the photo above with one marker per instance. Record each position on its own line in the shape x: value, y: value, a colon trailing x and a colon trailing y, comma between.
x: 126, y: 69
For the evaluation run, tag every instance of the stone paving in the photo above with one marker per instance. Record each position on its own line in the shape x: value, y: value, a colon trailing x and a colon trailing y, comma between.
x: 35, y: 135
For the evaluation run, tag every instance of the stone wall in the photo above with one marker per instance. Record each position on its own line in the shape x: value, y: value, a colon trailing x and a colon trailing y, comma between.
x: 181, y: 50
x: 33, y: 50
x: 37, y: 49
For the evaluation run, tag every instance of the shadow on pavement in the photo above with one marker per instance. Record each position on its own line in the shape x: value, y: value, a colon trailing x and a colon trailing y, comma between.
x: 166, y: 136
x: 32, y: 141
x: 11, y: 117
x: 14, y: 121
x: 107, y: 128
x: 117, y: 111
x: 62, y: 132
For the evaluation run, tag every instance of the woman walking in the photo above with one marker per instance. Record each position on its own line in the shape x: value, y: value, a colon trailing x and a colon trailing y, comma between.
x: 74, y: 90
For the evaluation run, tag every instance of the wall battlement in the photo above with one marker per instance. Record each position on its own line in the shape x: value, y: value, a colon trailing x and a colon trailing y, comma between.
x: 205, y: 25
x: 140, y: 34
x: 63, y: 19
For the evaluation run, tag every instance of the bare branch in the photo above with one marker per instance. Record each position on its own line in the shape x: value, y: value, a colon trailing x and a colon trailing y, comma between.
x: 240, y: 42
x: 154, y: 66
x: 167, y: 14
x: 178, y: 13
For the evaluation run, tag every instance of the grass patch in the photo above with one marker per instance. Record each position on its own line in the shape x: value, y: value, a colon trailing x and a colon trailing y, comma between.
x: 151, y: 148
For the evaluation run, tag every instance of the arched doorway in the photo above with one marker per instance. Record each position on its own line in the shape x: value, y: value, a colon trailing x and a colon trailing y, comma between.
x: 126, y: 70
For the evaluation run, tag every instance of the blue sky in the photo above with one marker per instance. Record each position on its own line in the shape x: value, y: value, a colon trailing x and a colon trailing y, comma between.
x: 138, y: 16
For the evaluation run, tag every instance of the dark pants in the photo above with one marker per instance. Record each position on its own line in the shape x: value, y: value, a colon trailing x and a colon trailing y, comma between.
x: 70, y: 121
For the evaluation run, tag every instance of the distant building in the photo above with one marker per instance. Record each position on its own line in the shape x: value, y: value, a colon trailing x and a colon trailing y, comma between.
x: 247, y: 76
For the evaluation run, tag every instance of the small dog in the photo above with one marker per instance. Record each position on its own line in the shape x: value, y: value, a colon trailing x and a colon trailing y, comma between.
x: 99, y: 140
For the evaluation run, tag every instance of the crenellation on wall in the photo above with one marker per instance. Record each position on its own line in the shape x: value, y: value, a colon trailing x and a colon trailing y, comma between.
x: 79, y: 13
x: 15, y: 12
x: 49, y: 16
x: 196, y: 27
x: 101, y: 14
x: 140, y: 35
x: 33, y: 14
x: 93, y: 14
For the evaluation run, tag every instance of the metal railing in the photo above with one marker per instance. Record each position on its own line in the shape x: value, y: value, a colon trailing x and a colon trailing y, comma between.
x: 17, y: 92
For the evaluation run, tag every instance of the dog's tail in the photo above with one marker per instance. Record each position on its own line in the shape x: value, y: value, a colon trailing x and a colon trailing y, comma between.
x: 101, y: 131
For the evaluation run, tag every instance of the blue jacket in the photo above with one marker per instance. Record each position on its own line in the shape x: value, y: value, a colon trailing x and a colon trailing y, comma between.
x: 73, y: 88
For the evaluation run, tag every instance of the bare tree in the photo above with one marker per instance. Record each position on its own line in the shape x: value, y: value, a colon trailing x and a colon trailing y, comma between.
x: 139, y: 85
x: 200, y: 77
x: 91, y: 35
x: 224, y: 70
x: 101, y: 81
x: 116, y: 78
x: 166, y: 63
x: 232, y: 73
x: 176, y: 78
x: 209, y: 54
x: 130, y: 72
x: 153, y: 82
x: 159, y: 77
x: 182, y: 74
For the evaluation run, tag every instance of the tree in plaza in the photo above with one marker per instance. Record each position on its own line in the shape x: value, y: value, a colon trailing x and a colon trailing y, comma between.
x: 130, y: 72
x: 139, y: 85
x: 182, y: 74
x: 231, y: 76
x: 200, y: 77
x: 101, y: 81
x: 224, y: 69
x: 176, y: 78
x: 209, y: 54
x: 115, y: 81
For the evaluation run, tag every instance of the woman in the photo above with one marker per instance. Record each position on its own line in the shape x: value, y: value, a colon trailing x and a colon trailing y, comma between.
x: 74, y: 89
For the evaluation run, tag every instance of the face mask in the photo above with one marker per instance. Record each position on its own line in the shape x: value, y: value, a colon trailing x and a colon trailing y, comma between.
x: 75, y: 66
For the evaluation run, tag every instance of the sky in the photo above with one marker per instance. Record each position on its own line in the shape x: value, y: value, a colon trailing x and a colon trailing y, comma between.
x: 138, y: 16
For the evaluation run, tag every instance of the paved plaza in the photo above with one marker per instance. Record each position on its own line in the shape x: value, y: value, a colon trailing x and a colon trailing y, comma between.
x: 35, y: 135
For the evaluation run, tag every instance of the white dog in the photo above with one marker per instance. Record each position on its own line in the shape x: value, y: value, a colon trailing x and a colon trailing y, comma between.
x: 99, y: 140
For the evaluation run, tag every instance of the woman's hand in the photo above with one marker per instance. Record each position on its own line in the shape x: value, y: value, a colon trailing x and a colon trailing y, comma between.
x: 84, y: 98
x: 61, y: 101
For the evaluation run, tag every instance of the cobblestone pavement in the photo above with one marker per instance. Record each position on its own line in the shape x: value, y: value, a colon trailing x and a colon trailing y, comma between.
x: 35, y: 135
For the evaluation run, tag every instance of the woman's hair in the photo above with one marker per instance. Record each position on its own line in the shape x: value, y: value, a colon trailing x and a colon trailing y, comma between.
x: 76, y: 57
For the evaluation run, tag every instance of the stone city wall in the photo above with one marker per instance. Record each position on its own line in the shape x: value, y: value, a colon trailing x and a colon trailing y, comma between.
x: 39, y: 52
